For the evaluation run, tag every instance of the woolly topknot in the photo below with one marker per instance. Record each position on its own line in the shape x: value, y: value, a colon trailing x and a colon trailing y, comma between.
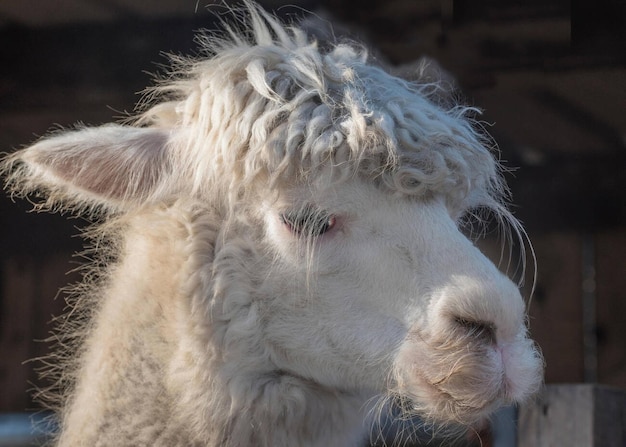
x: 269, y: 105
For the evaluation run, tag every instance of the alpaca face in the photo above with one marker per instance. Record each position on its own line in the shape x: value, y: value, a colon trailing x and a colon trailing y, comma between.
x: 326, y: 262
x: 387, y: 293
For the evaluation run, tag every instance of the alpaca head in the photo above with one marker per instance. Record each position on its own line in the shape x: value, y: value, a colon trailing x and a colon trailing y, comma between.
x: 339, y: 190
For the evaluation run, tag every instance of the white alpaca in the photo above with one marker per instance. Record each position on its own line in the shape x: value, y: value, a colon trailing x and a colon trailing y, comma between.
x: 280, y: 234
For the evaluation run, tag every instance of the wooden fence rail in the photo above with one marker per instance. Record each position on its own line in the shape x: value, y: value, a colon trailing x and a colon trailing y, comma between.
x: 574, y: 416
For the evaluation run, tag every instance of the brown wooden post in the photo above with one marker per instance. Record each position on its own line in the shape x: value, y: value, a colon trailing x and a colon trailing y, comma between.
x: 583, y: 415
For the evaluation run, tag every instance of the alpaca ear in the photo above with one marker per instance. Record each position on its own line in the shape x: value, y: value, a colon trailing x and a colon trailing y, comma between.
x: 111, y: 166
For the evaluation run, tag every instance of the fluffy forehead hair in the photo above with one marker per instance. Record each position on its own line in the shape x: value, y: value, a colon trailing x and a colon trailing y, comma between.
x: 267, y: 104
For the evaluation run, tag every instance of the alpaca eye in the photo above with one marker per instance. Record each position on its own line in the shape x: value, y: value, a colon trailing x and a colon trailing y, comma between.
x: 308, y: 221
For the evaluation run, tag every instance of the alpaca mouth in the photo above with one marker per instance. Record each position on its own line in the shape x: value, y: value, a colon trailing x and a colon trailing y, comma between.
x: 464, y: 383
x: 456, y: 399
x: 469, y: 411
x: 473, y: 386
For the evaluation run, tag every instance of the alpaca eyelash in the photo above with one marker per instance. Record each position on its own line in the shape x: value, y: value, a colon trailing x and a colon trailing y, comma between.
x: 308, y: 221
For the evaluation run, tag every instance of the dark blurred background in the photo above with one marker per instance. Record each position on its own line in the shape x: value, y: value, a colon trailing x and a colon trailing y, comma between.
x: 549, y: 74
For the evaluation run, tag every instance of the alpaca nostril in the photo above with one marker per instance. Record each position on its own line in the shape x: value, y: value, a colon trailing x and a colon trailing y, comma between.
x: 482, y: 330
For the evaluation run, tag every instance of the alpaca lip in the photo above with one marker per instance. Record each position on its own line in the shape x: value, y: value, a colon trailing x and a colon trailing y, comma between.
x: 469, y: 413
x: 447, y: 407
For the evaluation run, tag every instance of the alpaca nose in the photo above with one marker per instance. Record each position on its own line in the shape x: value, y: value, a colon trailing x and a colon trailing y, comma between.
x: 484, y: 331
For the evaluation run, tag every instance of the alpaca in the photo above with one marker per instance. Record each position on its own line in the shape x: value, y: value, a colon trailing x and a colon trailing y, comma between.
x: 277, y: 253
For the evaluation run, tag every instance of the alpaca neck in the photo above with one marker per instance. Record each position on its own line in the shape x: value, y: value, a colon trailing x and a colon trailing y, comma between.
x: 277, y: 409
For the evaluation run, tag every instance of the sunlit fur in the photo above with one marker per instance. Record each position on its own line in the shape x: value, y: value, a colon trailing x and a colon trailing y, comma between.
x: 206, y: 319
